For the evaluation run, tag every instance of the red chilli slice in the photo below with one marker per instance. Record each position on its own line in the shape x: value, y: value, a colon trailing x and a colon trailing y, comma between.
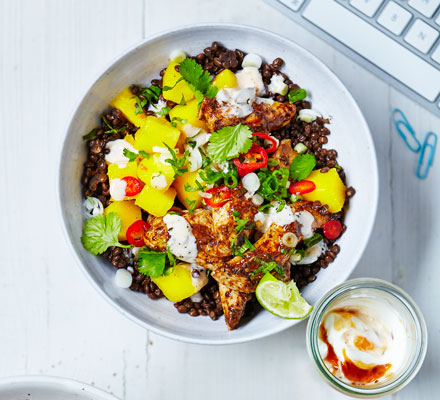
x: 332, y: 229
x: 302, y: 187
x: 136, y: 232
x: 133, y: 187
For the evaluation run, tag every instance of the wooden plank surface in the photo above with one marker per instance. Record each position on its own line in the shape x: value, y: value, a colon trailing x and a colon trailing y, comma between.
x: 53, y: 322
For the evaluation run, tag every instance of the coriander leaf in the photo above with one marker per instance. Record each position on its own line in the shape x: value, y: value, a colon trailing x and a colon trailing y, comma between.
x: 170, y: 257
x: 263, y: 207
x: 144, y: 154
x: 229, y: 142
x: 151, y: 263
x: 311, y: 241
x: 90, y: 135
x: 192, y: 205
x: 130, y: 154
x: 101, y: 232
x: 198, y: 79
x: 301, y: 166
x: 267, y: 267
x: 177, y: 163
x: 297, y: 95
x: 164, y: 111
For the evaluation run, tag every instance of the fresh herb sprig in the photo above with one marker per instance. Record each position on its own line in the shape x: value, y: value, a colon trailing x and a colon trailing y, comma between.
x: 178, y: 164
x: 156, y: 263
x: 267, y: 267
x: 301, y: 166
x: 297, y: 95
x: 197, y: 79
x: 131, y: 155
x: 150, y: 95
x: 311, y: 241
x: 229, y: 142
x: 273, y: 183
x: 101, y: 232
x: 111, y: 129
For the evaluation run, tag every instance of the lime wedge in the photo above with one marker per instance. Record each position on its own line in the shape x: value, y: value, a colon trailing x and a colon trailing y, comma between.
x: 282, y: 298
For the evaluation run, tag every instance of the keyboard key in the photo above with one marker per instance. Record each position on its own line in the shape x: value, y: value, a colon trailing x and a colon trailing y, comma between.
x: 437, y: 21
x: 394, y: 18
x: 379, y: 48
x: 293, y: 4
x: 421, y: 36
x: 368, y: 7
x: 425, y: 7
x: 436, y: 54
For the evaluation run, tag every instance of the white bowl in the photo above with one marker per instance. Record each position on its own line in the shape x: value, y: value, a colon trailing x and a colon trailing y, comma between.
x: 350, y: 136
x: 49, y: 388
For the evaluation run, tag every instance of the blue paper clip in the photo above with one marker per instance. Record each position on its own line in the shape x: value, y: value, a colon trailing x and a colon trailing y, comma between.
x: 405, y: 130
x: 426, y: 157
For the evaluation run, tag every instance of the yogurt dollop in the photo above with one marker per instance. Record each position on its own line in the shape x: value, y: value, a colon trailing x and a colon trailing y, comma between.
x: 363, y: 341
x: 182, y: 242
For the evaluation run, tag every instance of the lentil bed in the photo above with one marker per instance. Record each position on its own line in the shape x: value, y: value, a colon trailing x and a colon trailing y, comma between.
x: 314, y: 135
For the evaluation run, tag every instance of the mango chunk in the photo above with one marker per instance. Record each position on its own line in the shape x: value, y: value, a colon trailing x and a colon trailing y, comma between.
x: 188, y: 113
x: 127, y: 211
x: 153, y: 167
x: 187, y: 198
x: 329, y: 190
x: 225, y: 79
x: 156, y: 132
x: 178, y: 284
x: 170, y: 78
x: 154, y: 201
x: 126, y: 103
x: 115, y: 172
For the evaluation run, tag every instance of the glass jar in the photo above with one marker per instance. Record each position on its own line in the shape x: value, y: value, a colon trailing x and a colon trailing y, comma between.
x: 409, y: 314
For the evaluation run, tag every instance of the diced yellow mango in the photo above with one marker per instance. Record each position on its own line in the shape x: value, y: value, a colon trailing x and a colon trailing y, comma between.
x: 115, y: 172
x: 189, y: 113
x: 187, y: 198
x: 329, y: 190
x: 129, y: 139
x: 126, y: 102
x: 127, y: 211
x: 225, y: 79
x: 156, y: 132
x: 170, y: 78
x: 153, y: 166
x: 178, y: 284
x: 155, y: 202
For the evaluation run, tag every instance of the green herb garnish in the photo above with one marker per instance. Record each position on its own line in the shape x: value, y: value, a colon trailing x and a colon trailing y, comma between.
x: 192, y: 205
x: 101, y: 232
x: 130, y: 154
x: 198, y: 79
x: 301, y: 166
x: 151, y: 263
x: 91, y: 134
x: 177, y: 163
x: 267, y: 267
x: 110, y: 128
x: 229, y: 142
x: 311, y: 241
x: 264, y: 206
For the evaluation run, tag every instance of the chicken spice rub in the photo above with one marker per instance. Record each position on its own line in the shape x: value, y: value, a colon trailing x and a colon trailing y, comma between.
x: 211, y: 178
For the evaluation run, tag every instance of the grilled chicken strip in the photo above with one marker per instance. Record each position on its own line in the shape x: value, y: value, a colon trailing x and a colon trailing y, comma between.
x: 264, y: 118
x: 239, y: 273
x: 224, y: 223
x: 234, y: 304
x: 284, y: 154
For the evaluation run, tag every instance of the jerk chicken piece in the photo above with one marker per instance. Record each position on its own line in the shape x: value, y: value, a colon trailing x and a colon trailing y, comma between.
x: 284, y: 154
x: 239, y: 273
x: 264, y: 118
x: 234, y: 304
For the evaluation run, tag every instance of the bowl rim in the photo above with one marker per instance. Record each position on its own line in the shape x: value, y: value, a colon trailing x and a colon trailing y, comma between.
x: 69, y: 383
x: 249, y: 28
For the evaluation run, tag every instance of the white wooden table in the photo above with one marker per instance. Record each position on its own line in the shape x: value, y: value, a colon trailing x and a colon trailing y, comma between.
x: 53, y: 322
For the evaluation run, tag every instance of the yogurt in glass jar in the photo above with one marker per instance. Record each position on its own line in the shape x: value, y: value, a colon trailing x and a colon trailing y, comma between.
x: 367, y: 338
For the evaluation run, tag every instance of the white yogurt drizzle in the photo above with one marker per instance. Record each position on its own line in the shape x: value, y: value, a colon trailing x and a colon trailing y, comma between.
x: 116, y: 152
x: 182, y: 242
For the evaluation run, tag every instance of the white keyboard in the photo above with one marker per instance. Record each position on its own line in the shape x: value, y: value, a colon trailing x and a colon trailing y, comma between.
x: 398, y: 40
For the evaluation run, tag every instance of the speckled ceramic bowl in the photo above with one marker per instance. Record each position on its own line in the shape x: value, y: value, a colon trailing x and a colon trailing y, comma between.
x: 49, y: 388
x: 350, y: 136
